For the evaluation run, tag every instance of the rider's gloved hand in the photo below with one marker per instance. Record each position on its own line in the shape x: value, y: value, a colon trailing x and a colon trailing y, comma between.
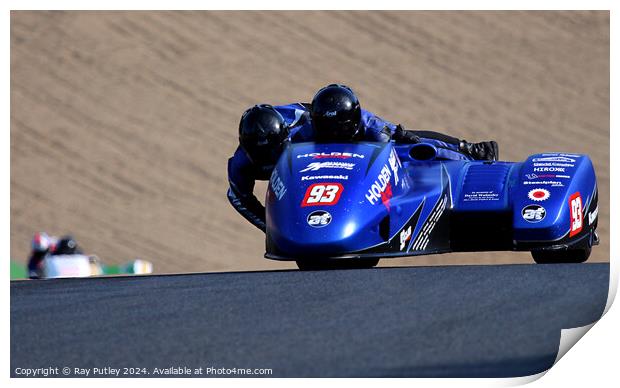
x: 486, y: 150
x: 401, y: 135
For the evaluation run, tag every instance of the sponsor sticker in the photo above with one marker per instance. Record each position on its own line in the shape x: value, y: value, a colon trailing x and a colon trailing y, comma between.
x: 315, y: 166
x: 331, y: 155
x: 547, y: 164
x: 381, y: 189
x: 424, y: 236
x: 576, y: 214
x: 549, y: 169
x: 534, y: 176
x: 386, y: 195
x: 592, y: 216
x: 394, y: 164
x: 327, y: 194
x: 319, y: 219
x: 277, y: 186
x: 533, y: 213
x: 545, y: 183
x: 562, y: 159
x: 405, y: 236
x: 481, y: 196
x: 316, y: 177
x: 538, y: 194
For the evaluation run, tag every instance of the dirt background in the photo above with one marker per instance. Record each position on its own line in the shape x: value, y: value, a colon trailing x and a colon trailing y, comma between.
x: 122, y: 122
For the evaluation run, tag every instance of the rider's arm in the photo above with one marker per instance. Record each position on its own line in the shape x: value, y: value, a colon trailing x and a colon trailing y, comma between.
x: 378, y: 129
x: 294, y: 114
x: 432, y: 135
x: 241, y: 191
x: 399, y: 134
x: 448, y: 147
x: 297, y: 116
x: 405, y: 136
x: 375, y: 128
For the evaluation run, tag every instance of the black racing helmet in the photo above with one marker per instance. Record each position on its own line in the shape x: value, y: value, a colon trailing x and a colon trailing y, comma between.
x: 262, y: 132
x: 336, y: 114
x: 66, y: 246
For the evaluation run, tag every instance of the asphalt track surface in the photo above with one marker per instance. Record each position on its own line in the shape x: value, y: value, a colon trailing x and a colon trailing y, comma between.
x: 418, y: 321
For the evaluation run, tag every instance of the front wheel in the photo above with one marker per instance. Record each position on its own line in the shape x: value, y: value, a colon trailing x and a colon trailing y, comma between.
x: 327, y: 264
x: 561, y: 256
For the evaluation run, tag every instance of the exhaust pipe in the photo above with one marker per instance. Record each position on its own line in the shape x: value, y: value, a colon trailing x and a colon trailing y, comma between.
x: 423, y: 152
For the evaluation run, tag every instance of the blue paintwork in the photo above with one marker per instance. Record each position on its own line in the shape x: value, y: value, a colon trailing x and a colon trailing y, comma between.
x: 470, y: 187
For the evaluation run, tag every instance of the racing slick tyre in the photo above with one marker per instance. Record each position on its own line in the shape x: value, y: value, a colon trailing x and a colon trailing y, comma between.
x: 327, y: 264
x: 561, y: 256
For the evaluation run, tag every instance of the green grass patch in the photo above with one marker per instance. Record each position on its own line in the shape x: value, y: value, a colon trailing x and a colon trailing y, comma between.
x: 18, y: 271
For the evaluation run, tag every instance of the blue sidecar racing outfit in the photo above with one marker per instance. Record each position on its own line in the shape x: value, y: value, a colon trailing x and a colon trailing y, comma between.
x: 242, y: 173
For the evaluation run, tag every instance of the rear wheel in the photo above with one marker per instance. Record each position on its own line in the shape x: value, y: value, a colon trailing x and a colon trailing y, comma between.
x: 561, y: 256
x: 327, y: 264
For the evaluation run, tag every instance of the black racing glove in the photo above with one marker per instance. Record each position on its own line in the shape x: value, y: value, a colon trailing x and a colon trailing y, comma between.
x: 486, y: 150
x: 403, y: 136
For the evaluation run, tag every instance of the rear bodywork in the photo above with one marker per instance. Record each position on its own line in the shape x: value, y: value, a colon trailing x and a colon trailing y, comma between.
x: 381, y: 200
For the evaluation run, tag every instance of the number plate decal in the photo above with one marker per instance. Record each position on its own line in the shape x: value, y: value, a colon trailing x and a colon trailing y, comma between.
x: 576, y: 214
x: 325, y: 194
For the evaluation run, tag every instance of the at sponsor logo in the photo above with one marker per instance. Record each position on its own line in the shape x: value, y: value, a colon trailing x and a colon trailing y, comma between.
x: 330, y: 155
x: 533, y: 213
x: 319, y: 219
x: 315, y: 166
x: 315, y: 177
x: 576, y: 215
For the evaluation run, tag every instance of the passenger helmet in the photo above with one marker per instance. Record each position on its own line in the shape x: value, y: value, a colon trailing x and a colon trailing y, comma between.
x: 262, y: 132
x: 336, y: 114
x: 41, y: 242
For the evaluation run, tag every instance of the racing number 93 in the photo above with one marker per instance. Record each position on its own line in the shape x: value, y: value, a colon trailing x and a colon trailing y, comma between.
x: 326, y: 194
x: 576, y: 214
